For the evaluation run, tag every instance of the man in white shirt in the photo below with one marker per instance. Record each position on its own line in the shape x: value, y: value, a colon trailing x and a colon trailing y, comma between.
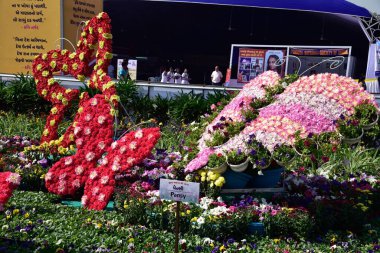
x: 185, y: 77
x: 177, y: 76
x: 164, y: 76
x: 216, y: 77
x: 170, y: 76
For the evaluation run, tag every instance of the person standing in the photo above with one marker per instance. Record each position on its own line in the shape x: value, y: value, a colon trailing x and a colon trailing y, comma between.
x: 216, y: 77
x: 177, y: 76
x: 111, y: 71
x: 123, y: 73
x: 170, y: 76
x: 185, y: 77
x: 164, y: 76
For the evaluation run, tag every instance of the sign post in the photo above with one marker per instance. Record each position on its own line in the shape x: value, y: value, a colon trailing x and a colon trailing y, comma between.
x: 179, y: 191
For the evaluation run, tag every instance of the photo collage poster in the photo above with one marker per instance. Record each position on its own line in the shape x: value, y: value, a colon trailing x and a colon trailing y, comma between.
x: 253, y: 62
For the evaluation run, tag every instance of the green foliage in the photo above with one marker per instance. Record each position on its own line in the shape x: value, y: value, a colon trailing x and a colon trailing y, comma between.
x: 218, y: 138
x: 2, y: 95
x: 127, y: 91
x: 346, y: 161
x: 51, y: 227
x: 365, y: 113
x: 235, y: 128
x: 349, y: 127
x: 25, y: 125
x: 20, y: 96
x: 289, y: 222
x: 283, y: 154
x: 215, y: 160
x: 187, y: 107
x: 236, y: 157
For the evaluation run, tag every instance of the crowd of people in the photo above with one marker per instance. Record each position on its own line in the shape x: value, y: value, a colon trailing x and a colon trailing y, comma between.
x: 175, y: 76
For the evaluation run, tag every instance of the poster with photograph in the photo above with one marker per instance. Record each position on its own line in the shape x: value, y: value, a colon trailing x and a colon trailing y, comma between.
x: 251, y: 62
x: 377, y: 58
x: 272, y: 61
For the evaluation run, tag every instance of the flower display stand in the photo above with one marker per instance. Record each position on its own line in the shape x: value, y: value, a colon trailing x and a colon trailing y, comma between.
x: 236, y: 180
x: 256, y: 228
x: 110, y: 206
x: 269, y: 179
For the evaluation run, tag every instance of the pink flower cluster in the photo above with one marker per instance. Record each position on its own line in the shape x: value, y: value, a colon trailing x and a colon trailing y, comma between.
x: 341, y: 90
x: 254, y: 89
x: 309, y: 105
x: 200, y: 161
x: 8, y: 182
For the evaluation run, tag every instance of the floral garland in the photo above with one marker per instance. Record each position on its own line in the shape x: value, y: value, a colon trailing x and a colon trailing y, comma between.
x: 97, y: 30
x: 8, y: 182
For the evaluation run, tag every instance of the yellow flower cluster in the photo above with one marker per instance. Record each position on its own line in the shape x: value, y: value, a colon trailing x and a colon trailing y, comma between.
x: 211, y: 177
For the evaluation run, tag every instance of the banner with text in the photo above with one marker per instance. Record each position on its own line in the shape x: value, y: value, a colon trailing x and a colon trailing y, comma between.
x: 377, y: 58
x: 179, y: 190
x: 319, y: 51
x: 254, y: 61
x: 74, y: 13
x: 28, y: 27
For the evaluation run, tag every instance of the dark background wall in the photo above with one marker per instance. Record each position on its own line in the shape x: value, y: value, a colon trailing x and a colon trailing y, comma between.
x: 199, y: 37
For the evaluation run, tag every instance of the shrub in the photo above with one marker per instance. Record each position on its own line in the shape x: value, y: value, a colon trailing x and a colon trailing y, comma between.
x: 289, y: 222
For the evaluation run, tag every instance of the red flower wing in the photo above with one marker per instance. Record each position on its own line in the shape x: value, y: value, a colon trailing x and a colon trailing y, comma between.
x: 8, y: 182
x: 93, y: 133
x: 122, y: 155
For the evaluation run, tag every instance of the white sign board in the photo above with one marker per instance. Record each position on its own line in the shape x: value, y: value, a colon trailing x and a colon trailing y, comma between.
x: 179, y: 190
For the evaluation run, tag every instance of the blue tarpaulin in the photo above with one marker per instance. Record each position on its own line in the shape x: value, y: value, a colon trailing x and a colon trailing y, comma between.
x: 326, y: 6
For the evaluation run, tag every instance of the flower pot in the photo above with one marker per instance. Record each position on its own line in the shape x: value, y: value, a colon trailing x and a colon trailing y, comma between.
x: 283, y: 164
x: 239, y: 167
x: 371, y: 125
x: 256, y: 228
x: 351, y: 141
x: 221, y: 169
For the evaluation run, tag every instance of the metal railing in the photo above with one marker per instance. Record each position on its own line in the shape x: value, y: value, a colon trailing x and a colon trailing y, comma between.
x: 151, y: 89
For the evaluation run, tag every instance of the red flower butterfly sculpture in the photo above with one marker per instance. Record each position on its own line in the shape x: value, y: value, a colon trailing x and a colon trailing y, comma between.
x: 97, y: 159
x: 8, y: 182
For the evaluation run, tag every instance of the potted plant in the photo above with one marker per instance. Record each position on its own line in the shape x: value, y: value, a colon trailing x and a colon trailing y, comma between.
x: 283, y: 154
x: 260, y: 157
x: 217, y: 163
x: 350, y: 130
x: 305, y: 146
x: 217, y: 139
x: 237, y: 160
x: 367, y: 115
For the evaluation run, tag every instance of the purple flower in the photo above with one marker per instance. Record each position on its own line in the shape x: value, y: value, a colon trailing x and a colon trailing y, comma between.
x: 43, y: 163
